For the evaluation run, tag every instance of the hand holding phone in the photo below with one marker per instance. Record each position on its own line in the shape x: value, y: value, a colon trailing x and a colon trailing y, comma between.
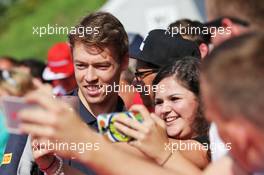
x: 106, y: 125
x: 11, y: 106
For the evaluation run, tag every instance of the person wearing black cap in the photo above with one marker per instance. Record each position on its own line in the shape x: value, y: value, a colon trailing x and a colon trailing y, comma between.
x: 157, y: 50
x: 127, y: 76
x: 134, y: 40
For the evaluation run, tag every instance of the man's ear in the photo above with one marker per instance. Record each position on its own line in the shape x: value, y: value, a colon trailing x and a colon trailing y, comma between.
x: 124, y: 63
x: 203, y: 50
x: 230, y: 27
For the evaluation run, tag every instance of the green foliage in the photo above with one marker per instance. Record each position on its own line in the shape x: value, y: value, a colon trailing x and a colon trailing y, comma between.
x: 17, y: 38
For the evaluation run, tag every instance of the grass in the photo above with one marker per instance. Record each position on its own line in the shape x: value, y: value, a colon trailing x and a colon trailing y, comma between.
x: 18, y: 39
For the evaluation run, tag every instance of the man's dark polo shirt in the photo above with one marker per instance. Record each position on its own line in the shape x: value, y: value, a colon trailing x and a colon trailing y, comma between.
x: 92, y: 122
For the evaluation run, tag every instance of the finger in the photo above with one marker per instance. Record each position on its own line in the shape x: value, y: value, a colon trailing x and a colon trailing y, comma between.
x: 158, y: 120
x: 37, y: 83
x: 39, y: 153
x: 128, y: 131
x: 142, y: 110
x: 46, y: 102
x: 37, y: 116
x: 37, y: 130
x: 42, y: 88
x: 135, y: 143
x: 41, y: 143
x: 134, y: 124
x: 42, y: 147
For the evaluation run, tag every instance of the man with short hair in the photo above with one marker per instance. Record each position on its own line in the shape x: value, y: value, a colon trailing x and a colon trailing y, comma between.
x: 234, y: 16
x: 193, y: 31
x: 232, y: 86
x: 99, y: 58
x: 7, y: 62
x: 230, y: 18
x: 100, y: 54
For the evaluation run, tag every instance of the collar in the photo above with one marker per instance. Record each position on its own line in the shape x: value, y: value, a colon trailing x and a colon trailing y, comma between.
x: 87, y: 116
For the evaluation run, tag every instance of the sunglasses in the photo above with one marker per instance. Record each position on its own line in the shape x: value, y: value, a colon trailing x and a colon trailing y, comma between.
x: 218, y: 22
x: 143, y: 74
x: 6, y: 76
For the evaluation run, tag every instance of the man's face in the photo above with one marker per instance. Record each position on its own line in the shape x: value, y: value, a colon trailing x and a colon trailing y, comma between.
x: 244, y: 138
x: 5, y: 64
x: 94, y: 71
x: 144, y: 77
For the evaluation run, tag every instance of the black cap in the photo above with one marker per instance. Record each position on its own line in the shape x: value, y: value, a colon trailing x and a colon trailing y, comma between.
x: 160, y: 48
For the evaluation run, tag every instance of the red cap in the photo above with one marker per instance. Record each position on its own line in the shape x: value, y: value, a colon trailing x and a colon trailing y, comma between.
x: 60, y: 63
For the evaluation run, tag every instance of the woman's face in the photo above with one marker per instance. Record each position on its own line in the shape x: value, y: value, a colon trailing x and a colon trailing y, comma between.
x: 177, y: 106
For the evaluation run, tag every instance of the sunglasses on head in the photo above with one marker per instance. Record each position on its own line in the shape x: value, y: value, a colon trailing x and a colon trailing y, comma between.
x: 218, y: 22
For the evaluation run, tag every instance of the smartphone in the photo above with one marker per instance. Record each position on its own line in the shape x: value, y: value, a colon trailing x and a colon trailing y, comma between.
x: 73, y: 101
x: 105, y: 124
x: 10, y: 106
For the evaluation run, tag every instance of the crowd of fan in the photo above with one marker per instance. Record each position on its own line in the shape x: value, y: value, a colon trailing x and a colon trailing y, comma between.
x: 210, y: 94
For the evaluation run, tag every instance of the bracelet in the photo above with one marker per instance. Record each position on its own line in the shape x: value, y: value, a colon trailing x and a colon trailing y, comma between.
x: 50, y: 165
x: 55, y: 168
x: 59, y: 171
x: 166, y: 160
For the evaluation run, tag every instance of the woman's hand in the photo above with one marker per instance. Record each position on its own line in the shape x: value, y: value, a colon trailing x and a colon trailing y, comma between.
x: 150, y: 136
x: 52, y: 121
x: 41, y: 153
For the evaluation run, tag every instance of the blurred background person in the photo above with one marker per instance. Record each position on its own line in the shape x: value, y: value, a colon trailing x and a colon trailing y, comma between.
x: 135, y: 41
x: 60, y: 69
x: 232, y: 89
x: 192, y: 30
x: 34, y: 67
x: 127, y: 91
x: 235, y: 16
x: 7, y: 62
x: 13, y: 82
x: 233, y: 23
x: 127, y: 76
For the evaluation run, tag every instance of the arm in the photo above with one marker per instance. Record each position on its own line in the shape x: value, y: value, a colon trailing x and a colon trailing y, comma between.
x: 197, y: 154
x: 152, y: 140
x: 49, y: 126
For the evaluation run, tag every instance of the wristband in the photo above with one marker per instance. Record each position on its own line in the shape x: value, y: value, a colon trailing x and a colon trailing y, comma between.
x: 59, y: 171
x: 166, y: 160
x: 55, y: 168
x: 50, y: 165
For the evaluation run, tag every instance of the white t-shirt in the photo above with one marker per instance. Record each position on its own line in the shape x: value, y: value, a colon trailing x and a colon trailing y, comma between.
x: 218, y: 147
